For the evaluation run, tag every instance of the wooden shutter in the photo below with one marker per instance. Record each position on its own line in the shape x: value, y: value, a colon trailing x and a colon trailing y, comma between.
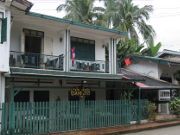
x: 4, y: 30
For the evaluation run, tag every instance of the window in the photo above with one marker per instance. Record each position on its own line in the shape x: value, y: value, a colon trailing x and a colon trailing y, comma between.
x: 1, y: 17
x: 41, y: 96
x: 3, y: 28
x: 84, y: 48
x: 22, y: 96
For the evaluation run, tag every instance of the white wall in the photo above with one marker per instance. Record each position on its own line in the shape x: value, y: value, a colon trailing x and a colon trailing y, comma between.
x: 145, y: 67
x: 51, y: 42
x: 56, y: 90
x: 4, y: 48
x: 99, y: 49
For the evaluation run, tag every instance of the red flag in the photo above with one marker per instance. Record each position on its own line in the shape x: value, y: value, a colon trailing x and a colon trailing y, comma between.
x: 127, y: 61
x: 73, y: 55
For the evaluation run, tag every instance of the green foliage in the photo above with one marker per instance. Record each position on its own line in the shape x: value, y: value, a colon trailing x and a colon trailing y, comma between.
x: 128, y: 47
x: 151, y: 111
x: 175, y: 106
x: 122, y: 15
x: 151, y: 50
x: 80, y: 10
x: 132, y: 19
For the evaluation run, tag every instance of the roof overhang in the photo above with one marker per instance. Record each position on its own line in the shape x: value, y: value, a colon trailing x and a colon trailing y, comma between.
x: 14, y: 72
x: 78, y: 25
x: 22, y: 4
x: 154, y: 59
x: 149, y: 82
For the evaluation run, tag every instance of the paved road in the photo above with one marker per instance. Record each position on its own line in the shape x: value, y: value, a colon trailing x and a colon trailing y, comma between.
x: 161, y: 131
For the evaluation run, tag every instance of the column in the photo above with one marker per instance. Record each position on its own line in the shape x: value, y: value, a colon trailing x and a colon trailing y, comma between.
x: 2, y: 88
x: 114, y: 57
x: 2, y: 93
x: 65, y: 48
x: 110, y: 56
x: 67, y: 51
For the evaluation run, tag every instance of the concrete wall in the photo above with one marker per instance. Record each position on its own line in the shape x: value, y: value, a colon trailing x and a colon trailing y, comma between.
x: 57, y: 88
x: 145, y: 67
x: 4, y: 48
x: 55, y: 93
x: 51, y: 41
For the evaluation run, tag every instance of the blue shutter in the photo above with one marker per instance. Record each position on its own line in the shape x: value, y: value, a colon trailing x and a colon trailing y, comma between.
x: 4, y: 30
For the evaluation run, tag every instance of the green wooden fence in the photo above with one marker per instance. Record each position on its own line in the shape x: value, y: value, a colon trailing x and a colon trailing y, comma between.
x: 44, y: 117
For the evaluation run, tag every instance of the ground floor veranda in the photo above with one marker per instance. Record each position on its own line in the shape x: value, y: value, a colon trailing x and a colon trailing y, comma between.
x: 35, y: 105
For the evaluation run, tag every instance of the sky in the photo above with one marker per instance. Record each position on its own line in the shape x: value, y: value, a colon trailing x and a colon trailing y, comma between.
x: 165, y: 18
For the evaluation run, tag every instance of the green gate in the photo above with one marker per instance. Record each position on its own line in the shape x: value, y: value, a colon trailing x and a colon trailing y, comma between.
x: 44, y: 117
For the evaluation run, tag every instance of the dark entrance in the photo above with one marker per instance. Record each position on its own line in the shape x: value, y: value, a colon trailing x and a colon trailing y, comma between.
x: 33, y: 43
x: 22, y: 96
x: 41, y: 96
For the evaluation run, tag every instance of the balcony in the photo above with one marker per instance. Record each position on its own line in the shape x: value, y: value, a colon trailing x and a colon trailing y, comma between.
x: 36, y: 60
x: 89, y: 66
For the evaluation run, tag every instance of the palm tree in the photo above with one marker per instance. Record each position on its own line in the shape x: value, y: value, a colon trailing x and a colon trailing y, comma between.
x: 152, y: 49
x: 80, y: 10
x: 132, y: 19
x: 109, y: 11
x: 128, y: 47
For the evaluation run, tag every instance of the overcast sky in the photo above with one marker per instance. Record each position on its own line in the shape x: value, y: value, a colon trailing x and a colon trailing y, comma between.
x: 165, y: 19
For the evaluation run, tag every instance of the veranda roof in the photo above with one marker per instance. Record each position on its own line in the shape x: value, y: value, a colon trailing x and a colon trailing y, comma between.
x: 28, y: 72
x: 149, y: 82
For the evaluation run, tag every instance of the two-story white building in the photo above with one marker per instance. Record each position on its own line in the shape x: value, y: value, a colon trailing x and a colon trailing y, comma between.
x: 45, y: 60
x: 49, y: 56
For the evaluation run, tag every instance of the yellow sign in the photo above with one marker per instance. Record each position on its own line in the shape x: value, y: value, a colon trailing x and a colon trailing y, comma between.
x: 80, y: 92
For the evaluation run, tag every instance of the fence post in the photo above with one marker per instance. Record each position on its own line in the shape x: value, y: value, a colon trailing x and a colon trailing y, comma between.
x: 139, y: 106
x: 11, y: 111
x: 81, y: 107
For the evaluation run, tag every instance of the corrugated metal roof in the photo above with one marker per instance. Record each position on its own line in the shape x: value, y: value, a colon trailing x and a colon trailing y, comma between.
x: 149, y: 82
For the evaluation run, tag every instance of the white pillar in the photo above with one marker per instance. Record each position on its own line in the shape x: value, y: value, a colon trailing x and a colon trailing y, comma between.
x: 114, y: 57
x: 67, y: 50
x: 110, y: 56
x: 2, y: 94
x: 2, y: 88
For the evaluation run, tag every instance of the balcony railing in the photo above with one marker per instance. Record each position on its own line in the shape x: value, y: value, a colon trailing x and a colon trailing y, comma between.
x: 89, y: 66
x: 36, y: 60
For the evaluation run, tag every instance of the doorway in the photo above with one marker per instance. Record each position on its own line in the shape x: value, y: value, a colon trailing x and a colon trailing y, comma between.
x: 41, y: 96
x: 33, y: 45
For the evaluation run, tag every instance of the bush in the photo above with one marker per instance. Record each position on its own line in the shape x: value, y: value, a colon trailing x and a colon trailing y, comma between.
x: 175, y: 106
x: 151, y: 108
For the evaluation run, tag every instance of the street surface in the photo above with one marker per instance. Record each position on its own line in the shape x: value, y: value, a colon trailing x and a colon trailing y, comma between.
x: 161, y: 131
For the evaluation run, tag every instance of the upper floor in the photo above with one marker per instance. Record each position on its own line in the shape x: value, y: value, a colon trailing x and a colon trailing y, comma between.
x: 44, y: 42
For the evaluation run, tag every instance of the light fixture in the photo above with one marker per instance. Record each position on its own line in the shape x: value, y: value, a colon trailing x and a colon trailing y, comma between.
x: 60, y: 39
x: 84, y: 81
